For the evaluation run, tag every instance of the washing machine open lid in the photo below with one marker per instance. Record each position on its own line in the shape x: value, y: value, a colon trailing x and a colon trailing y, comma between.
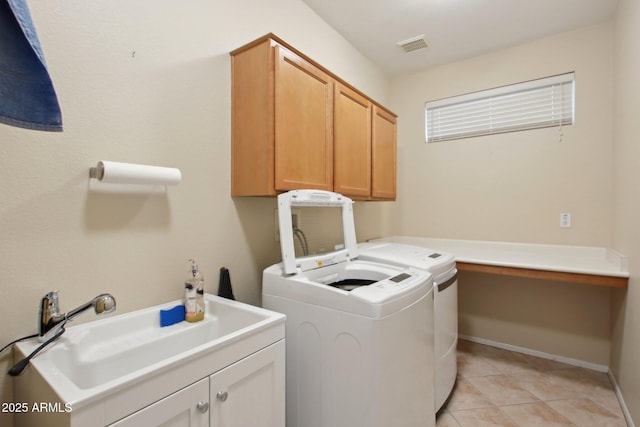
x: 314, y: 198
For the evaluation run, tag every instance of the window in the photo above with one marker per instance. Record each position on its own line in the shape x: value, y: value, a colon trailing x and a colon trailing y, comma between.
x: 534, y: 104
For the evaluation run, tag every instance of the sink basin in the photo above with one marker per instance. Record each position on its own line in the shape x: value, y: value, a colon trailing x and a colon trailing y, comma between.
x: 94, y: 360
x: 93, y: 354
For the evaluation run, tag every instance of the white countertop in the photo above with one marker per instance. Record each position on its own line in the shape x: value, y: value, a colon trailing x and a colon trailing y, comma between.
x: 566, y: 259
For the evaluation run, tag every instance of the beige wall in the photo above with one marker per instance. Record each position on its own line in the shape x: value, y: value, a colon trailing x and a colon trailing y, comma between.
x: 148, y: 82
x: 564, y: 319
x: 143, y: 82
x: 625, y: 352
x: 512, y: 187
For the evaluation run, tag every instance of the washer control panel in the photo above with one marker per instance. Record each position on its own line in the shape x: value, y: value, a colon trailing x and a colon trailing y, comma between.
x: 394, y: 286
x: 399, y: 281
x: 400, y: 277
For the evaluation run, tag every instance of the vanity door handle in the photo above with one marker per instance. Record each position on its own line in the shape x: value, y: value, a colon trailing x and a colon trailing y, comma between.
x: 202, y: 406
x: 222, y: 396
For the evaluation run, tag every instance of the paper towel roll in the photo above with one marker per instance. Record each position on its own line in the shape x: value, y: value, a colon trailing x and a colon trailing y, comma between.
x: 129, y: 173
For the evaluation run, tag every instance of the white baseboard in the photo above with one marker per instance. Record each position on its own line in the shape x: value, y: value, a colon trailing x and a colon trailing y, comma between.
x: 541, y: 354
x: 625, y: 410
x: 567, y: 360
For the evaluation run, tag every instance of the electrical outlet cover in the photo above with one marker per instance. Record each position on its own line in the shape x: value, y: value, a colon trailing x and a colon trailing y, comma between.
x: 565, y: 220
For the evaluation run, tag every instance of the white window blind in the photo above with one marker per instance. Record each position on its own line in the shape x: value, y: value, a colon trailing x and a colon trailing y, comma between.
x: 529, y: 105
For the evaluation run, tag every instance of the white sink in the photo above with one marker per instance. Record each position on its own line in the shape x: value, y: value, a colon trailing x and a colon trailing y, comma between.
x: 93, y: 361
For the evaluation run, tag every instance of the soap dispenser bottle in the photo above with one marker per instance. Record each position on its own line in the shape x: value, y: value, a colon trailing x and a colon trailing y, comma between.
x: 194, y: 293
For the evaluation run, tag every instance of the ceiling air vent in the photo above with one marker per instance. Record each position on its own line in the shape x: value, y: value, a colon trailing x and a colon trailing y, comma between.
x: 414, y: 43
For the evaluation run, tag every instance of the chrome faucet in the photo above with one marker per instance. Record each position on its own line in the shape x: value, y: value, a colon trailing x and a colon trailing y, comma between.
x: 51, y: 320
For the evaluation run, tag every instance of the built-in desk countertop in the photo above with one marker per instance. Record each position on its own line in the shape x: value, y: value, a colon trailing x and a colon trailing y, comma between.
x: 577, y: 264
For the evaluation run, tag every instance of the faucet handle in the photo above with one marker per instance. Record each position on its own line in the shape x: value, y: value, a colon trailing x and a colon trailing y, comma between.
x: 48, y: 312
x: 50, y: 302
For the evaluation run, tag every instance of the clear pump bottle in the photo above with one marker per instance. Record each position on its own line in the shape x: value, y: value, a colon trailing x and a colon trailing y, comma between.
x: 194, y: 293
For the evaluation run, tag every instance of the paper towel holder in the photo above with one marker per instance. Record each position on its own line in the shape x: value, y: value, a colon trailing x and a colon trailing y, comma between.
x: 97, y: 171
x: 129, y: 173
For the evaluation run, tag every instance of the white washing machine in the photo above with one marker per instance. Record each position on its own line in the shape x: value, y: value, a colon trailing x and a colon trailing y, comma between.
x: 359, y: 334
x: 443, y: 268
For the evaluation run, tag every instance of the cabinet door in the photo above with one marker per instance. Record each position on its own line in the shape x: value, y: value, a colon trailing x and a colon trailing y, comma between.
x: 351, y: 143
x: 252, y: 122
x: 303, y: 124
x: 383, y: 184
x: 185, y: 408
x: 251, y: 392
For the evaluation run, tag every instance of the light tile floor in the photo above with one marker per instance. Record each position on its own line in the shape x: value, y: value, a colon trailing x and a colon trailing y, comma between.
x: 500, y: 388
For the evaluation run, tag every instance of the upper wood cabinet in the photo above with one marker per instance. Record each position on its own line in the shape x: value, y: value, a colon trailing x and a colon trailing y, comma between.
x: 296, y: 125
x: 303, y: 124
x: 383, y: 147
x: 352, y: 142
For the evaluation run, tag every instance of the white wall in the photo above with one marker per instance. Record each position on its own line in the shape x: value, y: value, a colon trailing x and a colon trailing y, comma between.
x: 513, y: 187
x: 142, y: 82
x: 625, y: 352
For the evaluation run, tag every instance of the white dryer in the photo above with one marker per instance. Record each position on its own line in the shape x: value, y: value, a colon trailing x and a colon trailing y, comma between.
x: 443, y: 268
x: 359, y: 334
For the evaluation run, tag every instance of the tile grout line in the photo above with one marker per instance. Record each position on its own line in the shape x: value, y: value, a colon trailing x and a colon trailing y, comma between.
x: 569, y: 361
x: 622, y: 413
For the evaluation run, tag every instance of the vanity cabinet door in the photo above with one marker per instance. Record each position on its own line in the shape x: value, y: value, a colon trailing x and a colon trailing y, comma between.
x: 188, y: 407
x: 251, y: 392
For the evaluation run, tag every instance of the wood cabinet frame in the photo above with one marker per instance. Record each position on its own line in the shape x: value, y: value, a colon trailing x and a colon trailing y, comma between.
x: 285, y: 138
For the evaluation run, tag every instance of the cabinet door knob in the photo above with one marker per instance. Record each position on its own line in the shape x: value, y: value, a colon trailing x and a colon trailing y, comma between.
x: 222, y: 396
x: 202, y: 406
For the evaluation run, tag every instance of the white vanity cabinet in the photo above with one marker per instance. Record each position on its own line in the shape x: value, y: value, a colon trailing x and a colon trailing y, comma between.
x: 248, y: 393
x: 227, y: 370
x: 185, y: 408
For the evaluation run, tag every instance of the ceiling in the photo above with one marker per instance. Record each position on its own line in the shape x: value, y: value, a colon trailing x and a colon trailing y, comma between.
x: 453, y: 29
